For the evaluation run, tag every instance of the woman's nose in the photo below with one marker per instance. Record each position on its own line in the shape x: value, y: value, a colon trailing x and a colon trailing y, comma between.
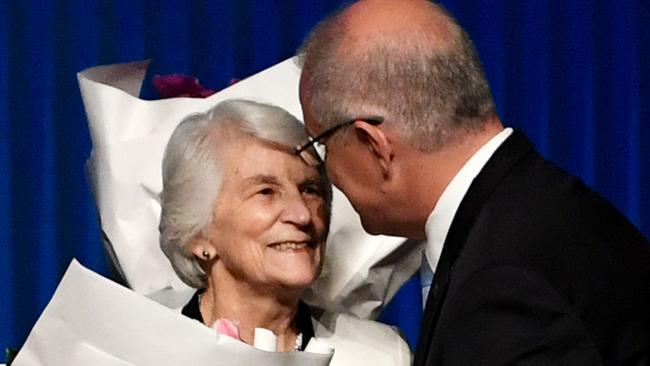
x: 296, y: 211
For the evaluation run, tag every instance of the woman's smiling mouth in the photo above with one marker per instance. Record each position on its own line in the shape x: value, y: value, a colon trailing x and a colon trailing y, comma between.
x: 292, y: 245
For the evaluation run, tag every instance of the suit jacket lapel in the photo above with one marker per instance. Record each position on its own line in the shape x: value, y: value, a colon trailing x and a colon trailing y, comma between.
x: 506, y: 156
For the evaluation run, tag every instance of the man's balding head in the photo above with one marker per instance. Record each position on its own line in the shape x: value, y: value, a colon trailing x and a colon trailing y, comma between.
x: 395, y: 21
x: 407, y: 61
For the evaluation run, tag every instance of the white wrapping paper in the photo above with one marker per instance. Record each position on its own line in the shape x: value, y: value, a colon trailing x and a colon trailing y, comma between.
x: 93, y: 321
x: 361, y: 271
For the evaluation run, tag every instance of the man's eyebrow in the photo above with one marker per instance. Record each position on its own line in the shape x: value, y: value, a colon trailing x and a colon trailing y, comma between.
x: 261, y: 179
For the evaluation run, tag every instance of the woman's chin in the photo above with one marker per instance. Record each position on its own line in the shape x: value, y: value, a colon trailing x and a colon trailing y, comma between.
x: 292, y: 268
x: 304, y: 260
x: 295, y: 276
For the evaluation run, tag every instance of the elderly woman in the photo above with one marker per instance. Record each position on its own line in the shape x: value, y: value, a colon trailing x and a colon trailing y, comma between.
x: 245, y: 221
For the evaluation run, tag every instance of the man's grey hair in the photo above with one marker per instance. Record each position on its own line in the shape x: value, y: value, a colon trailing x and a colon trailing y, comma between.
x: 192, y: 173
x: 431, y: 95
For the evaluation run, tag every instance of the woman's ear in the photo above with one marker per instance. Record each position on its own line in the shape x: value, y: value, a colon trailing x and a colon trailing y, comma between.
x: 379, y: 144
x: 203, y: 249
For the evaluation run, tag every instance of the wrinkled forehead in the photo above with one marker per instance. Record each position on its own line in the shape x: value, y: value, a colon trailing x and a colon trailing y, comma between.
x: 245, y: 157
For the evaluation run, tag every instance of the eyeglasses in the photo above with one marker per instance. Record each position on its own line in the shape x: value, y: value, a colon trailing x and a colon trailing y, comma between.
x: 303, y: 150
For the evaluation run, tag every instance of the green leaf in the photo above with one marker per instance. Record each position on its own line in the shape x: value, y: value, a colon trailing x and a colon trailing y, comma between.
x: 10, y: 354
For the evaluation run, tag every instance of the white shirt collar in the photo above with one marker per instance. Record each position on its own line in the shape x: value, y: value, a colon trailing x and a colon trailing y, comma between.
x: 443, y: 213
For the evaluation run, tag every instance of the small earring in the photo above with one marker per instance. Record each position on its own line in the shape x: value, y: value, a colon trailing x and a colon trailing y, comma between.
x: 206, y: 255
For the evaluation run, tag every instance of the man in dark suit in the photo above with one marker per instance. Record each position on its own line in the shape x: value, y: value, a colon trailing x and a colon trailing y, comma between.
x: 531, y: 266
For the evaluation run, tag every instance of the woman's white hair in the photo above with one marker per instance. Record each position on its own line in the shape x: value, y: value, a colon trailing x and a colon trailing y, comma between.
x: 192, y: 173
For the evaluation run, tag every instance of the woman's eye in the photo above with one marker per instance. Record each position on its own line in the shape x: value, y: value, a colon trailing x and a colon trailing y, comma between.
x: 312, y: 190
x: 266, y: 191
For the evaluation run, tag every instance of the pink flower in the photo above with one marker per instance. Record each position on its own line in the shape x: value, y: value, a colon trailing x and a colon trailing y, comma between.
x: 176, y: 85
x: 227, y: 327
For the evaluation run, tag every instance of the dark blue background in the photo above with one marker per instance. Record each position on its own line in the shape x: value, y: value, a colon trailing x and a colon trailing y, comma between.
x: 574, y: 75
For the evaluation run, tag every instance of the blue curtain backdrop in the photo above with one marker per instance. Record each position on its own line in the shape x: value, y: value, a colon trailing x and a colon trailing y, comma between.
x: 574, y: 75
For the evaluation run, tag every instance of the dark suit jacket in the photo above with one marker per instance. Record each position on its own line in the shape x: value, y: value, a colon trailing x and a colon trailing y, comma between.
x: 537, y: 269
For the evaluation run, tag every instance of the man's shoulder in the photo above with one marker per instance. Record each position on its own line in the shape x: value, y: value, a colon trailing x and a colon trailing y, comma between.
x: 541, y: 218
x: 539, y: 209
x: 538, y: 193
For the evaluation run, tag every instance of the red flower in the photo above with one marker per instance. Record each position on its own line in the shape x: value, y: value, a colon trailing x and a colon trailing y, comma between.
x: 176, y: 85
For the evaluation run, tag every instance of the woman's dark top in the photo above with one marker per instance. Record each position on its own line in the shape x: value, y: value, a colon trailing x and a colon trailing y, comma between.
x: 303, y: 318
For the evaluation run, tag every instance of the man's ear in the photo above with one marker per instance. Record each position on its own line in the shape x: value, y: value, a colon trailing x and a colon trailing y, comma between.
x: 378, y: 142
